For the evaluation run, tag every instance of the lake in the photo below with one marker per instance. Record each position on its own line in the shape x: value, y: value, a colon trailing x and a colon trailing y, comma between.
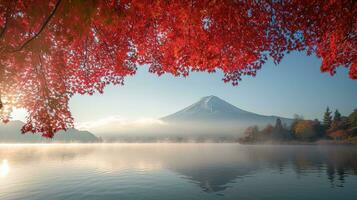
x: 177, y: 171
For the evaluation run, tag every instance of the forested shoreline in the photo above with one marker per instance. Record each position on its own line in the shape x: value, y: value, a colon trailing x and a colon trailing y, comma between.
x: 333, y: 129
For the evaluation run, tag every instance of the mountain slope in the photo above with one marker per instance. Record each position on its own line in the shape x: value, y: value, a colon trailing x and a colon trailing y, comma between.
x: 10, y: 133
x: 213, y: 109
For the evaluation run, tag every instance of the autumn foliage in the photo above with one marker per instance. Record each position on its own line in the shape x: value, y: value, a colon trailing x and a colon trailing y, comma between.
x: 53, y: 49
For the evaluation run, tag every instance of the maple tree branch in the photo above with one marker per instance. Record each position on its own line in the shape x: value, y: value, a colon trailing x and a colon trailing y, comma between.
x: 5, y: 26
x: 47, y: 20
x: 110, y: 52
x: 7, y: 13
x: 41, y: 74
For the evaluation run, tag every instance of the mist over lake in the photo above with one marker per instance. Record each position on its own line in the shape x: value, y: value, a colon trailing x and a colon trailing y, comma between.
x: 177, y: 171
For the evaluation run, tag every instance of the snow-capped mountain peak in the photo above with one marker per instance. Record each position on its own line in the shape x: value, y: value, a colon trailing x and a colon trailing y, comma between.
x: 212, y: 108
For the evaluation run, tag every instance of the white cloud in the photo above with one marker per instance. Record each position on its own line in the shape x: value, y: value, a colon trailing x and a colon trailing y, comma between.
x: 19, y: 114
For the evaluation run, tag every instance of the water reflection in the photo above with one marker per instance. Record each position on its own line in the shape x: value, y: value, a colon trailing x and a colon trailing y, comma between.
x: 4, y: 168
x: 212, y: 167
x: 337, y: 162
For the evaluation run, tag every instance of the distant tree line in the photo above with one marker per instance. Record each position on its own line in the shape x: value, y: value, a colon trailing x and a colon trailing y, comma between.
x: 333, y: 127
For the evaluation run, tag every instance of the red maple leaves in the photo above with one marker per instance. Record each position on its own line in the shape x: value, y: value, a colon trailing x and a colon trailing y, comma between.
x: 53, y: 49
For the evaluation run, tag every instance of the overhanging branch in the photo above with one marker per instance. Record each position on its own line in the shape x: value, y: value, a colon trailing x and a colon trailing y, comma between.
x: 47, y: 20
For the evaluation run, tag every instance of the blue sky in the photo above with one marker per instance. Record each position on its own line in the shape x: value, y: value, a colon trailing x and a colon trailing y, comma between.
x: 296, y: 85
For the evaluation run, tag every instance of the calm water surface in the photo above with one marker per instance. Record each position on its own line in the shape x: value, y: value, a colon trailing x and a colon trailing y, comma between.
x: 177, y: 171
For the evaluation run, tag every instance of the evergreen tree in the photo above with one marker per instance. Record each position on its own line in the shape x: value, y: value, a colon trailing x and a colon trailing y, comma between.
x: 278, y: 124
x: 337, y: 116
x: 327, y: 118
x: 319, y: 129
x: 278, y: 130
x: 353, y: 118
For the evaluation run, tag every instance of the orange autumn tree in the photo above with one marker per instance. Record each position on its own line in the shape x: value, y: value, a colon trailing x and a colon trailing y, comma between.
x: 53, y: 49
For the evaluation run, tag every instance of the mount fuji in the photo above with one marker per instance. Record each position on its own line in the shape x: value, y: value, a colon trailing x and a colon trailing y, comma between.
x: 212, y: 109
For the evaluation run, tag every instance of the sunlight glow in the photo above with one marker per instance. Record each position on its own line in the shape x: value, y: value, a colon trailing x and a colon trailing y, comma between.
x: 19, y: 114
x: 4, y: 168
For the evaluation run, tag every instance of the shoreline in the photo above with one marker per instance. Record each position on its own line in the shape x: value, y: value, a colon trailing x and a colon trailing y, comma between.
x: 319, y: 142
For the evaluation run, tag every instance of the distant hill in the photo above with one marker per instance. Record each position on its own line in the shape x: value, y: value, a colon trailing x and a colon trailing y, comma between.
x: 10, y: 133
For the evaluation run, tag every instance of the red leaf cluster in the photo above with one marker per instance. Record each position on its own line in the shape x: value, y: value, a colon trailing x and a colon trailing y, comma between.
x: 53, y: 49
